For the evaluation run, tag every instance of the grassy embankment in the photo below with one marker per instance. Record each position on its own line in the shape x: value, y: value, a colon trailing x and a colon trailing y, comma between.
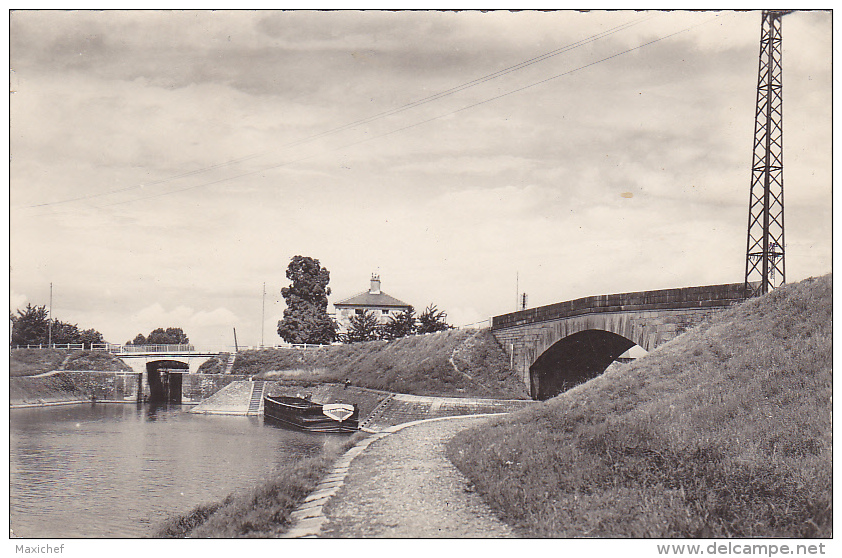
x: 460, y: 363
x: 29, y: 362
x: 263, y: 511
x: 724, y: 432
x: 97, y: 361
x: 24, y: 363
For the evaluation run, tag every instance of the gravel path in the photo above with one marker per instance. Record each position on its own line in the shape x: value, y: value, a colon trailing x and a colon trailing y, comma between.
x: 403, y: 486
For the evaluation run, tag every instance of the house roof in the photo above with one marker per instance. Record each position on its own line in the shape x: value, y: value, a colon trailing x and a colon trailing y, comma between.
x: 365, y: 298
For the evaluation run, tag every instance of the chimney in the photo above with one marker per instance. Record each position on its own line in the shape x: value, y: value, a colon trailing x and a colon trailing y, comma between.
x: 375, y: 284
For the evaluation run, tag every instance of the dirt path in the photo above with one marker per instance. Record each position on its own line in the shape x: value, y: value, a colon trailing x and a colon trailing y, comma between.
x: 402, y: 486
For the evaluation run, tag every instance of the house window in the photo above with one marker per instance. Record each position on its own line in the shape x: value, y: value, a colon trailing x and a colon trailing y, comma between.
x: 359, y: 311
x: 385, y: 311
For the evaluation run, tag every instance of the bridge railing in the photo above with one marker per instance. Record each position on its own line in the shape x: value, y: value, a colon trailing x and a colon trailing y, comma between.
x: 301, y: 346
x: 64, y: 346
x: 124, y: 349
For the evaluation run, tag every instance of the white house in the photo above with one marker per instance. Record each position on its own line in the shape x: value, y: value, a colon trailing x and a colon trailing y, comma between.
x: 374, y: 300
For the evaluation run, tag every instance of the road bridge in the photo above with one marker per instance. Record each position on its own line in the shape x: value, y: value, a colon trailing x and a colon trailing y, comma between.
x: 159, y: 367
x: 554, y: 347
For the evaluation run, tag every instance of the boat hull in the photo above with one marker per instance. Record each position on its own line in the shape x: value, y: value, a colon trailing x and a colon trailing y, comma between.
x: 306, y: 415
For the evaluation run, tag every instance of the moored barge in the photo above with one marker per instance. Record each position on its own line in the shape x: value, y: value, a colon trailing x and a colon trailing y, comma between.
x: 304, y: 414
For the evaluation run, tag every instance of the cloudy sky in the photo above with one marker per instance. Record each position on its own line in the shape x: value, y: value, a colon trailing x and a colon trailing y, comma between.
x: 165, y: 165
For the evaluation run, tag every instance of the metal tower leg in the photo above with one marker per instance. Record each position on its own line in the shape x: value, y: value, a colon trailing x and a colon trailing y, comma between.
x: 765, y: 268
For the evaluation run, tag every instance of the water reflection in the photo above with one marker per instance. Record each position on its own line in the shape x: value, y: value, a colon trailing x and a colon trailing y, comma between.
x: 112, y: 470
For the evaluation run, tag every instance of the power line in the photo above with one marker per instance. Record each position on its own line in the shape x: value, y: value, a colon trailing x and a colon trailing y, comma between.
x: 367, y: 120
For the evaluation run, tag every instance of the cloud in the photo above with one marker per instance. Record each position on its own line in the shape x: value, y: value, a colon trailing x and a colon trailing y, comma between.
x: 17, y: 300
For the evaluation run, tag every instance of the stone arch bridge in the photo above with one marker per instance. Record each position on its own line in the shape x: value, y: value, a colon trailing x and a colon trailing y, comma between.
x: 554, y: 347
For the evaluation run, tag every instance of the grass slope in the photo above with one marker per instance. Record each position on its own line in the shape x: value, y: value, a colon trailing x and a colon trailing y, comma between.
x: 29, y: 362
x: 723, y: 432
x: 215, y: 365
x: 450, y: 363
x: 96, y: 360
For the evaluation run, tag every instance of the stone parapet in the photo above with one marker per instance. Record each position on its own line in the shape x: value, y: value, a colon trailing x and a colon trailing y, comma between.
x: 712, y: 296
x: 648, y: 319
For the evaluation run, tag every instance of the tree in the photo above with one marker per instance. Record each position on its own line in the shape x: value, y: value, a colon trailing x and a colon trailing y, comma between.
x: 432, y: 320
x: 161, y: 336
x: 169, y: 336
x: 30, y: 326
x: 305, y: 317
x: 363, y: 327
x: 89, y: 337
x: 400, y: 324
x: 64, y: 333
x: 139, y: 339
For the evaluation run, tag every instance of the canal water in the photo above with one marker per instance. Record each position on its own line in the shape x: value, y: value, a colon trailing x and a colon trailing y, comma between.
x: 118, y: 470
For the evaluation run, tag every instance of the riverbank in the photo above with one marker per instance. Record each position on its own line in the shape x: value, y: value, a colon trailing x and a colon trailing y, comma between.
x: 27, y: 391
x: 244, y: 514
x: 263, y: 511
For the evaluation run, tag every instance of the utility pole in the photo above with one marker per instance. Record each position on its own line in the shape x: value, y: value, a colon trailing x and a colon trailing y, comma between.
x: 236, y: 348
x: 50, y: 319
x: 765, y: 269
x: 263, y: 315
x: 517, y: 290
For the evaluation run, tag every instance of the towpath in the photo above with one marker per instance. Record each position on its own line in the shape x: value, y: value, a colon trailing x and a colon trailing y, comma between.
x: 401, y: 485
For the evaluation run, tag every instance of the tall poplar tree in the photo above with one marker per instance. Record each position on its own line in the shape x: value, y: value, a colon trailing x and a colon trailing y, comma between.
x: 305, y: 317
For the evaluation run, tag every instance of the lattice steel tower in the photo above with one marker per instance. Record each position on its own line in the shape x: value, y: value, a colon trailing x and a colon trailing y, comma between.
x: 765, y: 269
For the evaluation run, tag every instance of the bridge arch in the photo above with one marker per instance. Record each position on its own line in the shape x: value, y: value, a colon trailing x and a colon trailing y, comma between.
x: 165, y: 380
x: 647, y: 318
x: 575, y: 359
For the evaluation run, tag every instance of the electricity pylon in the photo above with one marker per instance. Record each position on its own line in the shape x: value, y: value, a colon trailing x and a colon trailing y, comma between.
x: 765, y: 269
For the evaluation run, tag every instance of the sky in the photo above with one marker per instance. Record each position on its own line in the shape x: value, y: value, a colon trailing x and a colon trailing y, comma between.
x: 164, y: 166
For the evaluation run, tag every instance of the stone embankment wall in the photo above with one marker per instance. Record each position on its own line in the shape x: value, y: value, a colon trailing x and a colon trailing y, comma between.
x: 77, y: 385
x: 378, y: 409
x: 235, y: 398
